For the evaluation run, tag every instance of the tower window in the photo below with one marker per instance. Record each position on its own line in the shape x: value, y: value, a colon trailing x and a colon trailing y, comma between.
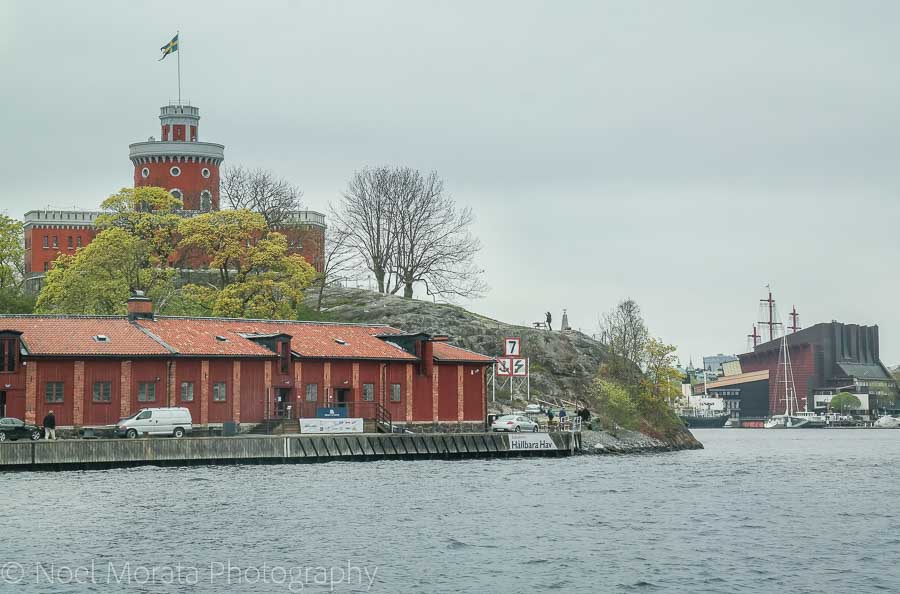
x: 175, y: 171
x: 145, y: 172
x: 176, y: 193
x: 205, y: 172
x: 205, y: 201
x: 46, y: 241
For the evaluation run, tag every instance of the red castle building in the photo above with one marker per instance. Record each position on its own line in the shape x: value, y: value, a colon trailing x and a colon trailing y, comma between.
x: 182, y: 164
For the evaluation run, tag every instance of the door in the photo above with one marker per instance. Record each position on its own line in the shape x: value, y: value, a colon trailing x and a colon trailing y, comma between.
x: 282, y: 399
x: 144, y: 422
x: 342, y: 398
x: 2, y: 404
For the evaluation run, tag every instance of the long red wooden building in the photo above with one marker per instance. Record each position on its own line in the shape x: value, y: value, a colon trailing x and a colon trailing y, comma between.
x: 94, y: 370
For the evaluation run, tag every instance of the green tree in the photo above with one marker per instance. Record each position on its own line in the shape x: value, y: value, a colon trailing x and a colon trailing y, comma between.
x: 148, y: 213
x: 99, y: 278
x: 229, y: 238
x: 258, y: 277
x: 843, y: 401
x: 615, y: 406
x: 13, y: 298
x: 661, y: 379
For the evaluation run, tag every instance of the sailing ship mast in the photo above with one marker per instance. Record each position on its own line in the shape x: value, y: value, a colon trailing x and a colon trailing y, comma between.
x: 786, y: 382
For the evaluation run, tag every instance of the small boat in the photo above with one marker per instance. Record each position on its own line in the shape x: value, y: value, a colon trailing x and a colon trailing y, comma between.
x: 704, y: 419
x: 887, y: 422
x: 786, y: 422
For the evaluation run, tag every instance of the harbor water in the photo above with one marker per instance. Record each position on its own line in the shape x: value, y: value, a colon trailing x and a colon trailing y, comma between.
x: 756, y: 511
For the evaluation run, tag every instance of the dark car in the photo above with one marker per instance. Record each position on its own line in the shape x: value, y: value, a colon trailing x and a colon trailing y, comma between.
x: 14, y: 429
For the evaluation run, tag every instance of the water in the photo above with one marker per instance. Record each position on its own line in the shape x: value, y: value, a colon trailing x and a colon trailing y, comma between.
x: 756, y: 511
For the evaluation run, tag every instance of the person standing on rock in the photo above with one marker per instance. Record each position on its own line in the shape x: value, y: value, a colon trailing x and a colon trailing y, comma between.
x: 50, y: 426
x: 549, y: 321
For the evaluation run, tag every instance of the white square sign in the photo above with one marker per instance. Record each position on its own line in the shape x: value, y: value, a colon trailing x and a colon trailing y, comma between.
x: 520, y: 367
x: 504, y: 366
x: 512, y: 347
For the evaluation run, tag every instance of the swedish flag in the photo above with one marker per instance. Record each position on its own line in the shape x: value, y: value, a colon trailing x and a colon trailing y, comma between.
x: 170, y: 47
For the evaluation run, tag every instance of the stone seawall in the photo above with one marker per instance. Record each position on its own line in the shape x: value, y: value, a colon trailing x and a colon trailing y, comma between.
x: 280, y: 449
x: 624, y: 441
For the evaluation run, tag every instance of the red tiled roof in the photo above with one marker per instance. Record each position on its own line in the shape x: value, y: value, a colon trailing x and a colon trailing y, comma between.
x: 448, y: 352
x: 333, y: 341
x: 198, y: 338
x: 75, y: 336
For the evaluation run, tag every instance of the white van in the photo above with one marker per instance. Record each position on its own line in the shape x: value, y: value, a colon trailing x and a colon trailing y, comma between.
x: 156, y: 421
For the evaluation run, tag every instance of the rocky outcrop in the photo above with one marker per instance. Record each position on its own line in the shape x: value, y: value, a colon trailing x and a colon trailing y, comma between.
x: 562, y: 363
x: 623, y: 441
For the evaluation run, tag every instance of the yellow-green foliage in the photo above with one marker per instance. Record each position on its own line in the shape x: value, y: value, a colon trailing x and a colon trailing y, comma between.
x: 139, y: 235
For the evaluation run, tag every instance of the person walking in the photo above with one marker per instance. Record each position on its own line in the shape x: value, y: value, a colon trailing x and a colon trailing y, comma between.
x: 50, y: 426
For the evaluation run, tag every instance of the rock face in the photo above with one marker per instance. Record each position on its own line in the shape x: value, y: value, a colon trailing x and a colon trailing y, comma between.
x: 562, y: 364
x: 632, y: 442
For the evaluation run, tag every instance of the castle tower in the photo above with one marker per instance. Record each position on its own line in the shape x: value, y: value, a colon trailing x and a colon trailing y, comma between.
x: 179, y: 162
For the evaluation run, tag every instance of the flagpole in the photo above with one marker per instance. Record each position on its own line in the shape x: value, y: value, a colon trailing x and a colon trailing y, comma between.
x: 178, y: 35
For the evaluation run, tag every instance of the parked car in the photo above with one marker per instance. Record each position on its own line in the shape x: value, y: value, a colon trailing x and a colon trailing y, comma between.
x: 533, y: 409
x: 176, y: 422
x: 515, y: 423
x: 13, y: 429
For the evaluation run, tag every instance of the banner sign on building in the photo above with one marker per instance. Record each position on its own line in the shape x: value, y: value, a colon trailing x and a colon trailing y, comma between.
x: 331, y: 425
x: 512, y: 347
x: 504, y: 366
x: 532, y: 441
x: 331, y: 412
x: 520, y: 367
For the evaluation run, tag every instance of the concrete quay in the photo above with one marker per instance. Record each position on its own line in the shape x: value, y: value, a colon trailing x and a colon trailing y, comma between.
x: 77, y: 454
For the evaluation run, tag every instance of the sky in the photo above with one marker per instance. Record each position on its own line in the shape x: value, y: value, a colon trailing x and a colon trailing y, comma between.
x: 682, y: 154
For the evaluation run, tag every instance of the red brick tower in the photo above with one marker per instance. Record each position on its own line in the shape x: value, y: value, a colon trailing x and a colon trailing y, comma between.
x: 189, y: 169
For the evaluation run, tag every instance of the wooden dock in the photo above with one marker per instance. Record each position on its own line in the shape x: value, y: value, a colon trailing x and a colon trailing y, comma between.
x: 273, y: 449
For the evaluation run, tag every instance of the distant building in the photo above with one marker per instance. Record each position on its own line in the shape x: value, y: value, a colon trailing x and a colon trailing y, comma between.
x: 180, y: 163
x: 745, y: 396
x: 713, y: 363
x: 827, y: 358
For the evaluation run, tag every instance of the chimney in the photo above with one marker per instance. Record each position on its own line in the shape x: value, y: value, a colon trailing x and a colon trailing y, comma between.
x: 139, y: 307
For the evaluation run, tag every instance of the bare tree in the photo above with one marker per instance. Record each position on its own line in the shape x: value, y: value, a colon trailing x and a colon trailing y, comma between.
x: 625, y: 335
x: 338, y: 260
x: 261, y: 191
x: 435, y: 246
x: 366, y: 211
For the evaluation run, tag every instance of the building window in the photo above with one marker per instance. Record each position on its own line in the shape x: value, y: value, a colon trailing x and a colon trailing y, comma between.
x: 395, y: 392
x: 205, y: 172
x: 175, y: 171
x: 78, y: 241
x: 56, y: 241
x: 219, y: 393
x: 71, y: 245
x: 9, y: 348
x: 284, y: 348
x: 187, y: 391
x: 205, y: 201
x: 145, y: 172
x: 54, y: 392
x: 46, y: 241
x: 368, y: 391
x: 102, y: 391
x: 176, y: 193
x: 46, y: 266
x: 312, y: 392
x: 147, y: 392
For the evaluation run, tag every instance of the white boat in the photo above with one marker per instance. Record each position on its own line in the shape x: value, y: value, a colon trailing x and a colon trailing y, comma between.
x: 785, y: 422
x: 793, y: 417
x: 887, y: 422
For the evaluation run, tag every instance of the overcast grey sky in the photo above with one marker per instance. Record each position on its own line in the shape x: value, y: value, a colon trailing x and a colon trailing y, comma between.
x: 681, y: 153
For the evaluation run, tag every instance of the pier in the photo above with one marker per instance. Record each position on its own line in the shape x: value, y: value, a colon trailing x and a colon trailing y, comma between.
x: 79, y: 454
